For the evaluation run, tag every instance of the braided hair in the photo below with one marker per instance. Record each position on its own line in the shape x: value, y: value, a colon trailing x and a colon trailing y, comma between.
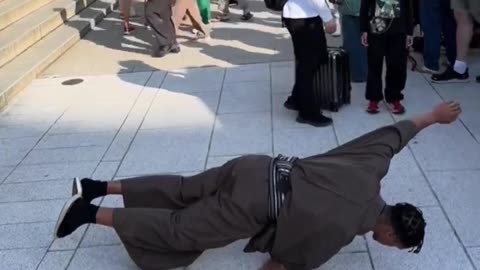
x: 409, y: 225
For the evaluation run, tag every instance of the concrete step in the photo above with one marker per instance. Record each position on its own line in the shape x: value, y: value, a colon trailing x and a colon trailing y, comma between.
x: 19, y: 73
x: 22, y: 34
x: 13, y: 10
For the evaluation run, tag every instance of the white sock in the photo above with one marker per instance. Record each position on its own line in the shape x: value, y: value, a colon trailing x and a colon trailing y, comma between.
x: 460, y: 67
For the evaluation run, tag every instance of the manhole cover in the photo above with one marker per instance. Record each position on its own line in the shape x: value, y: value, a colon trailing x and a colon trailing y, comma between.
x: 72, y: 82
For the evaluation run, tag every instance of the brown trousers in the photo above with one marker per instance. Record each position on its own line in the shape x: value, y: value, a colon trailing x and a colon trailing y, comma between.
x: 169, y: 220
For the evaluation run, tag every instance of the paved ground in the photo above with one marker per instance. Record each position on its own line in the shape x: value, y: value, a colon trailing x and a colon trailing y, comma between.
x: 106, y: 50
x: 141, y: 122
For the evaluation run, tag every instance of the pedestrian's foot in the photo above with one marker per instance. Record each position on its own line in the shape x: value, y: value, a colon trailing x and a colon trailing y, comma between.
x: 373, y: 107
x: 74, y: 214
x: 246, y: 17
x: 397, y: 107
x: 290, y: 104
x: 478, y: 79
x: 166, y: 50
x: 127, y: 29
x: 429, y: 71
x: 223, y: 18
x: 175, y: 48
x: 450, y: 76
x: 316, y: 121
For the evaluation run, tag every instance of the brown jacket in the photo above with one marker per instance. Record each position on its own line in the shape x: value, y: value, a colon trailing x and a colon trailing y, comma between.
x: 335, y: 196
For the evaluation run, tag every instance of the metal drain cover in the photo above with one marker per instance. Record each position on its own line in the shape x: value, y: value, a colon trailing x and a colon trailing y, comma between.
x: 72, y: 82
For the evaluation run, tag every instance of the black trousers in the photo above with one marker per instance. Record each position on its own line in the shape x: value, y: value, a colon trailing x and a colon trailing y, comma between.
x: 392, y: 48
x: 158, y: 14
x: 310, y: 49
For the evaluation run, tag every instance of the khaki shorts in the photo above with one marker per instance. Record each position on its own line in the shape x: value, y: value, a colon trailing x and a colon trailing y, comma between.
x: 471, y: 6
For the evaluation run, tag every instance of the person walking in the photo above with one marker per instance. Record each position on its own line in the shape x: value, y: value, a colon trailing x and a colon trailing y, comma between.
x: 158, y: 14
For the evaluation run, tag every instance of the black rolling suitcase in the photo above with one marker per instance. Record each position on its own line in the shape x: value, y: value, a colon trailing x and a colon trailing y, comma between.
x: 332, y: 83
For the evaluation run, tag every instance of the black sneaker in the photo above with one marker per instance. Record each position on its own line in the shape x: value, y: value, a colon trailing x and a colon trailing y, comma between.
x: 451, y: 76
x: 247, y: 17
x: 290, y: 104
x: 89, y: 189
x: 316, y: 121
x: 74, y: 214
x: 175, y: 48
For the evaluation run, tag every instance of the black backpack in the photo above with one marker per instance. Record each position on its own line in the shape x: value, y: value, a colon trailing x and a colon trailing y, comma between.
x: 275, y: 5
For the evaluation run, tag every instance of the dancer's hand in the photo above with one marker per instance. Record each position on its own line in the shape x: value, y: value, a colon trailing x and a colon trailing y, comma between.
x: 331, y: 26
x: 273, y: 265
x: 365, y: 39
x: 446, y: 112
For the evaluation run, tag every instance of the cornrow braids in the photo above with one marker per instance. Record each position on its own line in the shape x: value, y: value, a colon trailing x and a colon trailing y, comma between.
x: 409, y: 224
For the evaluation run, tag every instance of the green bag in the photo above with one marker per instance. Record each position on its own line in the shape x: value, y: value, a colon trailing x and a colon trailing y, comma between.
x: 204, y: 7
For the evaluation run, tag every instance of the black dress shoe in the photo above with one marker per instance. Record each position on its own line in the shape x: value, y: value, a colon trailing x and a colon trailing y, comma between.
x: 290, y: 104
x: 316, y: 121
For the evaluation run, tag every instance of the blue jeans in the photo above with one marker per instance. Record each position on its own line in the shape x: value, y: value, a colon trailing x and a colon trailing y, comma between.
x: 436, y: 18
x: 352, y: 44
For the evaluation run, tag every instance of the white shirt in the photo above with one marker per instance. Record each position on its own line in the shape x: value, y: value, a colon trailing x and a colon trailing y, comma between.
x: 302, y: 9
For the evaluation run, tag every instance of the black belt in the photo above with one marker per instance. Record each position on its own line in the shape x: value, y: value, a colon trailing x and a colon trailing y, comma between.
x: 279, y: 184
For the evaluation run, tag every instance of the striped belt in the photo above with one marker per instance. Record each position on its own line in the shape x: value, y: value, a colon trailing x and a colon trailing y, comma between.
x: 279, y: 184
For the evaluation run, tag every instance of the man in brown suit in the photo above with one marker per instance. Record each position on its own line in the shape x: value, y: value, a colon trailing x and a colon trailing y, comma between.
x: 300, y: 211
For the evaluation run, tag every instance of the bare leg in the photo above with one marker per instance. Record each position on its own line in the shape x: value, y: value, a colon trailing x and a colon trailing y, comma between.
x: 126, y: 15
x: 114, y: 187
x: 179, y: 11
x: 464, y: 34
x: 196, y: 19
x: 105, y: 216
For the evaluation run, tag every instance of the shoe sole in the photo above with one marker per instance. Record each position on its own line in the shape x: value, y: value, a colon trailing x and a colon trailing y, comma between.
x: 66, y: 208
x: 77, y: 187
x: 314, y: 123
x: 451, y: 81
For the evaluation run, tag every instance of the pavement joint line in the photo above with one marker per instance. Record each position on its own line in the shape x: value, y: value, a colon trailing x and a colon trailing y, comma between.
x: 28, y: 248
x: 27, y: 223
x: 212, y: 132
x: 459, y: 119
x: 35, y: 181
x: 39, y: 200
x: 272, y: 129
x: 37, y: 142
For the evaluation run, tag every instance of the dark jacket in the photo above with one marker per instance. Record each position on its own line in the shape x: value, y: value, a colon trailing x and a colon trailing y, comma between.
x: 401, y: 25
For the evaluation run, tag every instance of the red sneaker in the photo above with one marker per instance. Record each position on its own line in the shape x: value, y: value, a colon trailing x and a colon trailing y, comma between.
x: 397, y: 107
x: 373, y: 107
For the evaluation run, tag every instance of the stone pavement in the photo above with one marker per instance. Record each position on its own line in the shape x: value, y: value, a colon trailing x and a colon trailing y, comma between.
x: 105, y: 50
x: 184, y: 121
x: 131, y: 117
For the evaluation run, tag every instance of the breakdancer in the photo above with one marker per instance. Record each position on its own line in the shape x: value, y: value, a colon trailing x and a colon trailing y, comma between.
x: 301, y: 211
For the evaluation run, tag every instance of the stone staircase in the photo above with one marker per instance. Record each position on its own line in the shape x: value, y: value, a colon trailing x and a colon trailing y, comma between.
x: 34, y: 33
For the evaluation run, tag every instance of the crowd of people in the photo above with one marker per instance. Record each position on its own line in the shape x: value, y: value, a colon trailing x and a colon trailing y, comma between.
x: 166, y: 16
x: 374, y: 32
